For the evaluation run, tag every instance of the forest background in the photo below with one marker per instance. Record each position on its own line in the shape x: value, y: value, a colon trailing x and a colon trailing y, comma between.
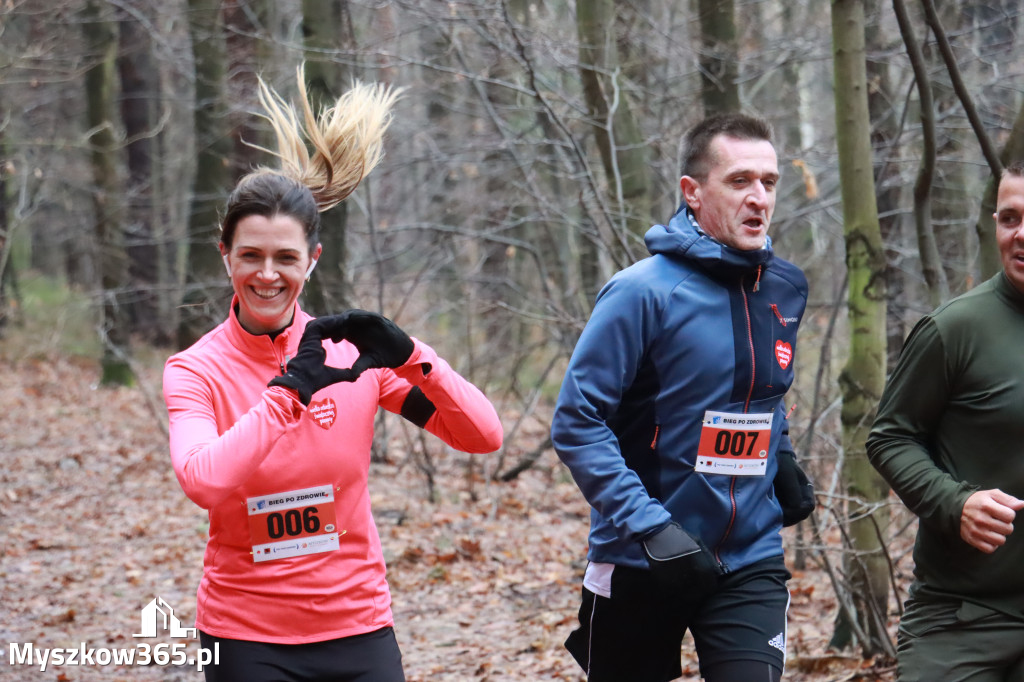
x: 533, y: 146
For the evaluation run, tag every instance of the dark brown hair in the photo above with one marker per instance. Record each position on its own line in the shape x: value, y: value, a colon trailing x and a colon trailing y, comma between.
x: 1016, y: 169
x: 697, y: 141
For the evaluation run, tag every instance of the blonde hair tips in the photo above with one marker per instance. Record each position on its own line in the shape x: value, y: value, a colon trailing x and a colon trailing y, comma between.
x: 346, y: 138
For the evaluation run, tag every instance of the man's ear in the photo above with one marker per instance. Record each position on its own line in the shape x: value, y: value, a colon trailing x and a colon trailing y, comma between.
x: 691, y: 191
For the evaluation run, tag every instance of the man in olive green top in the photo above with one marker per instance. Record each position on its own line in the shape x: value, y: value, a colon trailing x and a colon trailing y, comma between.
x: 949, y: 439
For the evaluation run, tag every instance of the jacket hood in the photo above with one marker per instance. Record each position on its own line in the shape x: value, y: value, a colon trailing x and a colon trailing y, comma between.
x: 683, y: 238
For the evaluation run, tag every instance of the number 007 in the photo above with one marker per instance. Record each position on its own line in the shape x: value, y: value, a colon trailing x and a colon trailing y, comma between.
x: 735, y: 442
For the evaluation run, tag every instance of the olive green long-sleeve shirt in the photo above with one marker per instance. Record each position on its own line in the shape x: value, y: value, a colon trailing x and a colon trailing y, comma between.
x: 951, y: 422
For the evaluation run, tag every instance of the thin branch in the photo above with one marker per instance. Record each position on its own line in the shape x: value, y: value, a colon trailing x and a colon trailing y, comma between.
x: 892, y: 566
x: 526, y: 461
x: 591, y: 183
x: 991, y: 156
x: 845, y: 605
x: 155, y: 404
x: 825, y: 358
x: 931, y: 264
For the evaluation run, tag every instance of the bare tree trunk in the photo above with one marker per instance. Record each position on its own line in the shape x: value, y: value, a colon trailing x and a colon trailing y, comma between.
x: 931, y: 263
x: 502, y: 336
x: 327, y: 30
x: 988, y: 255
x: 4, y: 220
x: 885, y: 143
x: 615, y: 127
x: 863, y: 377
x: 100, y: 33
x: 719, y: 57
x: 952, y: 192
x: 251, y: 51
x: 1004, y: 20
x: 960, y: 88
x: 140, y: 91
x: 207, y: 293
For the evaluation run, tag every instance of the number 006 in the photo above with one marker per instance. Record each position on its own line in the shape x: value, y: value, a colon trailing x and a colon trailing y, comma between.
x: 293, y: 522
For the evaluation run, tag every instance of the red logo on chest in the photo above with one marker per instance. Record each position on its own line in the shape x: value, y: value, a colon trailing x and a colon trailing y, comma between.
x: 783, y: 353
x: 323, y: 412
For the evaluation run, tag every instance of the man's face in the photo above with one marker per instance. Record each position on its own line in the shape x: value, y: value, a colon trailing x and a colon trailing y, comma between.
x: 1009, y: 217
x: 735, y: 204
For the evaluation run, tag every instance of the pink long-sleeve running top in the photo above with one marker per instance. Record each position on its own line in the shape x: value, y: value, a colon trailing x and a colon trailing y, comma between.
x: 293, y: 554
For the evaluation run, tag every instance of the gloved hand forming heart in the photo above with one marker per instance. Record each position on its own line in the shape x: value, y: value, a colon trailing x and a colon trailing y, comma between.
x: 380, y: 342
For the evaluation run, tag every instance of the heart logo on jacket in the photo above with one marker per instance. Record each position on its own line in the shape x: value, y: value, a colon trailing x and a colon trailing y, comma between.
x: 323, y: 412
x: 783, y: 353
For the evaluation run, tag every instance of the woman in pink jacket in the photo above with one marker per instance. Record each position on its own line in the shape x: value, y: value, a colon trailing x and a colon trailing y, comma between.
x: 272, y: 414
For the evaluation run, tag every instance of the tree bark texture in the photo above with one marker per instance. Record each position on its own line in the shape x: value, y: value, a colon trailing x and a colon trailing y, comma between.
x: 719, y: 57
x: 100, y: 33
x: 863, y: 376
x: 931, y: 263
x: 327, y: 32
x: 145, y: 245
x: 614, y: 125
x: 206, y: 292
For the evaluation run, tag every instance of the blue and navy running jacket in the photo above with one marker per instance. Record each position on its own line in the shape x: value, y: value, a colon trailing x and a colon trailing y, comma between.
x: 693, y: 327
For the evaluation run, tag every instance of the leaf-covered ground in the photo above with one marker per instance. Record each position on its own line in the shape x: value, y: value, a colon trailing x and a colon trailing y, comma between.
x: 485, y: 578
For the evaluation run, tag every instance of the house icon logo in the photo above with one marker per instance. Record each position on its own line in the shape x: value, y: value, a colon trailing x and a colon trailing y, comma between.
x: 158, y: 616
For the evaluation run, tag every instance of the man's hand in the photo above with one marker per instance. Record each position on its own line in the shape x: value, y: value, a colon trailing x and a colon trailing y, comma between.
x: 987, y: 519
x: 680, y: 561
x: 793, y: 489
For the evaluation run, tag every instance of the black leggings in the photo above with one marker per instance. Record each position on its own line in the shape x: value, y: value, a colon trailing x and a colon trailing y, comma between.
x: 742, y: 671
x: 372, y: 657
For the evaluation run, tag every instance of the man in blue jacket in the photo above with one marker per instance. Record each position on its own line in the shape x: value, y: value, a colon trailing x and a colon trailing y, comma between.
x: 672, y: 422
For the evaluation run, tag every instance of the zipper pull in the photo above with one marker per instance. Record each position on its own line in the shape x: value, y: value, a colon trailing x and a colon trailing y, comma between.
x: 775, y: 309
x: 285, y: 362
x: 757, y: 282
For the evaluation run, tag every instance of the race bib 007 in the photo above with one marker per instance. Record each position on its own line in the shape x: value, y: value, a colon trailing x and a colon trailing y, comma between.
x: 293, y: 523
x: 734, y: 443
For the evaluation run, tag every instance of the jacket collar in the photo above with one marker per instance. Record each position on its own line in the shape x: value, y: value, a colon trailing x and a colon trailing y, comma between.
x: 261, y: 346
x: 1008, y: 292
x: 683, y: 238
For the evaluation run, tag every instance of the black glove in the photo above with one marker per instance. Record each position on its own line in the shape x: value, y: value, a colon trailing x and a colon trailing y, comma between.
x: 306, y: 372
x: 793, y: 490
x: 680, y: 561
x: 381, y: 343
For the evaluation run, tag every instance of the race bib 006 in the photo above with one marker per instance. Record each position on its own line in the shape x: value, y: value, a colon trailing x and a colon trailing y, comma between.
x: 293, y: 523
x: 734, y: 443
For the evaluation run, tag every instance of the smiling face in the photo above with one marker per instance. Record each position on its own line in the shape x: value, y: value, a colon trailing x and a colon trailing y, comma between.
x: 734, y: 205
x: 267, y: 262
x: 1009, y: 217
